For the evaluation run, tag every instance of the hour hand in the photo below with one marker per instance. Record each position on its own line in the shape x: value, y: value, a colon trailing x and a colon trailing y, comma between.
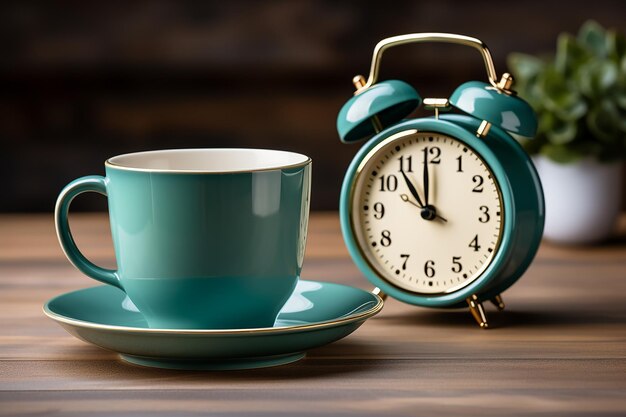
x: 412, y: 189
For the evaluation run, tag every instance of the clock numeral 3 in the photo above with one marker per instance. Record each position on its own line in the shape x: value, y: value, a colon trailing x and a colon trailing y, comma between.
x: 478, y: 180
x: 405, y: 256
x: 485, y: 217
x: 474, y: 244
x: 456, y: 264
x: 379, y: 208
x: 408, y: 166
x: 385, y: 239
x: 388, y: 183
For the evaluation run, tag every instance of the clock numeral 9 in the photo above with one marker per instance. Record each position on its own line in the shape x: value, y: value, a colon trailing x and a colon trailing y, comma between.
x: 474, y: 244
x: 379, y: 208
x: 429, y: 269
x: 435, y: 153
x: 408, y: 166
x: 485, y: 217
x: 388, y: 183
x: 385, y: 239
x: 456, y: 264
x: 478, y: 180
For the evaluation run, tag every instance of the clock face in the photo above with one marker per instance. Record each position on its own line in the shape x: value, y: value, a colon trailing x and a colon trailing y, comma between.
x: 427, y: 212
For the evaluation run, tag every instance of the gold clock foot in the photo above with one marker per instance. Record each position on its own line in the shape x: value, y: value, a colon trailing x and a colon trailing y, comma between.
x: 477, y: 310
x: 498, y: 302
x: 377, y: 291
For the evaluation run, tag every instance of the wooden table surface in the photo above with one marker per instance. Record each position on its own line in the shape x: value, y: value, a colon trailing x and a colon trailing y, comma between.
x: 558, y: 349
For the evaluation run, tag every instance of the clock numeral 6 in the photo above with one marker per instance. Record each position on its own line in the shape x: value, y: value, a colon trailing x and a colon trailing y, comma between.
x: 474, y: 244
x: 379, y: 208
x: 385, y: 239
x: 478, y: 180
x: 429, y: 269
x: 388, y: 183
x: 456, y: 264
x: 485, y: 217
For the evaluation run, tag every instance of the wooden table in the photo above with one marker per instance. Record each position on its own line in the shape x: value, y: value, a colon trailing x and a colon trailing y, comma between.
x: 558, y: 349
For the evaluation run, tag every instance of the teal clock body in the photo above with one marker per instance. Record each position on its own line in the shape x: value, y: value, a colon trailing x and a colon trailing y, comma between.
x: 523, y: 207
x: 444, y: 211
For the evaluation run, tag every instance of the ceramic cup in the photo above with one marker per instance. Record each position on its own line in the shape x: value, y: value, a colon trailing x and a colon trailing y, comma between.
x: 204, y: 238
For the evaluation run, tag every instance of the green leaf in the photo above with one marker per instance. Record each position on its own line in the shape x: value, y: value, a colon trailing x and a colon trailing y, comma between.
x: 621, y: 78
x: 560, y: 153
x: 606, y: 122
x: 619, y: 96
x: 559, y: 95
x: 524, y: 67
x: 593, y: 37
x: 579, y: 95
x: 569, y: 54
x: 562, y: 132
x: 616, y: 45
x: 596, y: 77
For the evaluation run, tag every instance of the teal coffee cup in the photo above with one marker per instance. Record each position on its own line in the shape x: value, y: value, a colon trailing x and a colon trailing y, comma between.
x: 203, y: 238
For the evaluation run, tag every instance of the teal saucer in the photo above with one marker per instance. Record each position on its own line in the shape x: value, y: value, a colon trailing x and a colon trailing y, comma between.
x: 317, y: 313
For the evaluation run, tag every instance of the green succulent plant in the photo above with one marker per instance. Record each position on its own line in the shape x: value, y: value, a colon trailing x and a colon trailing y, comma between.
x: 579, y: 95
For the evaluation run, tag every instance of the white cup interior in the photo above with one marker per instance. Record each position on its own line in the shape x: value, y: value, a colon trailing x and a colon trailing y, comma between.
x: 208, y: 160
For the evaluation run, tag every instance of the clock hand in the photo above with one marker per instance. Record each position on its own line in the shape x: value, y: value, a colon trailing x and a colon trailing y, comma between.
x: 426, y: 182
x: 405, y: 198
x: 441, y: 218
x: 412, y: 190
x: 427, y: 213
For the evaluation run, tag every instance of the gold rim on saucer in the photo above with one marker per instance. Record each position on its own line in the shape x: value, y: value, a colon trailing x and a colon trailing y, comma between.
x: 283, y: 329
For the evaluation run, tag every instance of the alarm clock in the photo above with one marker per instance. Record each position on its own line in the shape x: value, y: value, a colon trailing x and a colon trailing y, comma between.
x: 443, y: 211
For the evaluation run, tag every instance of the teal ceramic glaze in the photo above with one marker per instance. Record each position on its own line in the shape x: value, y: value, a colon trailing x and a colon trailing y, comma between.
x: 390, y: 101
x: 200, y: 248
x: 316, y: 314
x: 522, y: 199
x: 506, y: 111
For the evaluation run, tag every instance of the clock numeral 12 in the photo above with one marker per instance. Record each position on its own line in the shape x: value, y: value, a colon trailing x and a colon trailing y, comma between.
x: 435, y: 153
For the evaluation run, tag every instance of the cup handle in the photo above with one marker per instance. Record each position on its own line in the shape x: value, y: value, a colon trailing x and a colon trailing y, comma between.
x: 93, y: 183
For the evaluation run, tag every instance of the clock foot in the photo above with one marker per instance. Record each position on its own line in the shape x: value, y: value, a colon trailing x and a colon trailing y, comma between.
x: 377, y: 291
x: 498, y: 302
x: 477, y: 310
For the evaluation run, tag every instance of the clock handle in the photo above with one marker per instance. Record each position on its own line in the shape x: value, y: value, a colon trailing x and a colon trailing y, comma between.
x: 429, y: 37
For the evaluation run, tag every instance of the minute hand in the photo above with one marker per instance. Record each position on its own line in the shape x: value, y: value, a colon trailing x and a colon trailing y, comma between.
x: 412, y: 189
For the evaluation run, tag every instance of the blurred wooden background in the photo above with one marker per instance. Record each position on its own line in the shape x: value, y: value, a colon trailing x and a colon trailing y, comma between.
x: 83, y: 81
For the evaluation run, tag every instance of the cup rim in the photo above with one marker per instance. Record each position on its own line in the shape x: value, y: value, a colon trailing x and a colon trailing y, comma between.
x: 112, y: 163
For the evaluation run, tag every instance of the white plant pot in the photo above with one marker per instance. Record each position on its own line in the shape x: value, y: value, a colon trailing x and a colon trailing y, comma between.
x: 583, y: 199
